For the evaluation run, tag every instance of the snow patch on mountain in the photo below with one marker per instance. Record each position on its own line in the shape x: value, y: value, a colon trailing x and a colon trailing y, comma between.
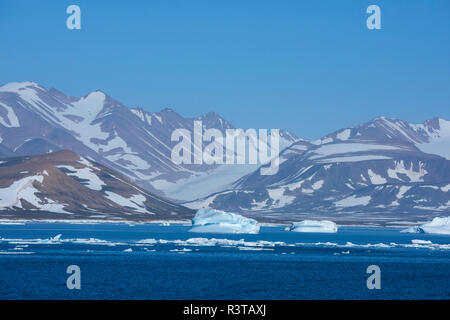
x: 11, y: 120
x: 199, y: 184
x: 376, y: 178
x: 353, y: 201
x: 23, y: 189
x: 343, y: 135
x: 339, y: 148
x: 317, y: 185
x: 135, y: 201
x: 400, y: 168
x: 92, y: 180
x: 85, y: 130
x: 353, y: 159
x: 439, y: 139
x: 279, y: 198
x: 18, y: 86
x: 116, y: 142
x: 19, y: 189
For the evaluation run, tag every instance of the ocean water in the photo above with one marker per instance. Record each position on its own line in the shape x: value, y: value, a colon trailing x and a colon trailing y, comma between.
x: 151, y: 261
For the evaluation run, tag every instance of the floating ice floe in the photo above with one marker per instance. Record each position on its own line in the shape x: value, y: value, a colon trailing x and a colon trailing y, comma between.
x: 15, y: 252
x: 12, y: 223
x: 181, y: 250
x: 205, y: 242
x: 255, y: 249
x: 418, y: 241
x: 321, y: 226
x: 183, y: 245
x: 215, y: 221
x: 436, y: 226
x: 57, y: 240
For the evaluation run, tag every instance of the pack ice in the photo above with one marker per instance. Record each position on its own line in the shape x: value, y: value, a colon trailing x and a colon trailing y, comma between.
x: 436, y: 226
x: 216, y: 221
x: 321, y: 226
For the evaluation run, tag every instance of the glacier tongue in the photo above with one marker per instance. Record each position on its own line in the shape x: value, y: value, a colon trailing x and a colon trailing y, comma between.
x: 321, y: 226
x: 216, y: 221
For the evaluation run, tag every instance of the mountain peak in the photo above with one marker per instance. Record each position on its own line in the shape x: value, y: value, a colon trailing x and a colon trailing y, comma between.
x: 96, y: 94
x: 167, y: 110
x: 214, y: 120
x: 436, y: 122
x: 211, y: 116
x: 385, y: 119
x: 17, y: 86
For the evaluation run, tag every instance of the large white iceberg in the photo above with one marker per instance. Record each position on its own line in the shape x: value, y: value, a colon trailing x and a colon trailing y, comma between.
x: 322, y: 226
x: 216, y: 221
x: 436, y: 226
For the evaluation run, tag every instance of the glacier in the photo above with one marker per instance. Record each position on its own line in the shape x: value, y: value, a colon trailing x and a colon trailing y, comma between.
x: 436, y: 226
x: 216, y: 221
x: 321, y: 226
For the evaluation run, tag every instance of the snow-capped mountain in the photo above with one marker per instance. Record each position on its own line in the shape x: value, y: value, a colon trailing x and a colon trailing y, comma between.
x: 63, y: 185
x: 433, y: 136
x: 35, y: 120
x: 383, y: 169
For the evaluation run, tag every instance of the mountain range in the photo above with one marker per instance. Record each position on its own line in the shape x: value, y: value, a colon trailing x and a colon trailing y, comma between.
x: 384, y: 171
x: 35, y: 120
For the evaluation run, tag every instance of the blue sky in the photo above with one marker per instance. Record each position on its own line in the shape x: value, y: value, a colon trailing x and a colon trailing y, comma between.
x: 307, y: 66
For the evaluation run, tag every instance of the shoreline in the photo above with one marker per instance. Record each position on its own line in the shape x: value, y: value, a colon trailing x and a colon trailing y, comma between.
x: 179, y: 222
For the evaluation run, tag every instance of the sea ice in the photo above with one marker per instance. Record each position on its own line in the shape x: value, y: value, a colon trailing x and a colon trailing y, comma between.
x: 436, y: 226
x: 322, y: 226
x: 215, y: 221
x: 419, y: 241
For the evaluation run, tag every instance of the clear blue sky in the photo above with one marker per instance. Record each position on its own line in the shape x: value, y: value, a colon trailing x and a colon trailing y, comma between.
x: 307, y: 66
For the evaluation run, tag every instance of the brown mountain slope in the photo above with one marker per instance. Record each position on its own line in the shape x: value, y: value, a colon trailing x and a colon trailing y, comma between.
x: 63, y: 185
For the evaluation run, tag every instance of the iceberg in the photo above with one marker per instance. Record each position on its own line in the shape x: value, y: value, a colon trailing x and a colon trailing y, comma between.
x: 415, y: 229
x: 216, y: 221
x: 321, y: 226
x: 436, y: 226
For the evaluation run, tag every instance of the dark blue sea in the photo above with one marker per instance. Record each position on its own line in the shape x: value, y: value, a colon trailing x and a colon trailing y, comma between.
x: 150, y: 261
